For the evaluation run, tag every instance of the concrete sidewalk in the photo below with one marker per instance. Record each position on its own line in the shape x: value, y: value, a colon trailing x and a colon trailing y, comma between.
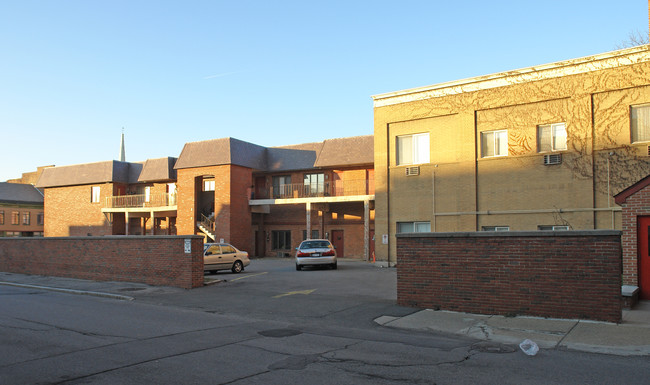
x: 629, y: 338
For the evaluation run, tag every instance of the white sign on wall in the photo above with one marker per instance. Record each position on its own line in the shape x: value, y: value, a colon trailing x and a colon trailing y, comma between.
x: 188, y: 246
x: 384, y: 239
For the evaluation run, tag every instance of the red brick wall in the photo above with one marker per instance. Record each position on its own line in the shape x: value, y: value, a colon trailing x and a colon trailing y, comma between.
x: 69, y: 211
x: 635, y: 205
x: 160, y: 261
x: 232, y: 212
x: 574, y: 274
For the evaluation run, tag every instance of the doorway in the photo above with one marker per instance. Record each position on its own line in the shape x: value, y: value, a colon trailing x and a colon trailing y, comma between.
x: 337, y: 242
x: 260, y: 243
x: 643, y: 235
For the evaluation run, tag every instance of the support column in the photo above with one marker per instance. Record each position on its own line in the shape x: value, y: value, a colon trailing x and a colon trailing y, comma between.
x: 308, y: 205
x: 366, y: 229
x: 126, y: 223
x: 153, y: 223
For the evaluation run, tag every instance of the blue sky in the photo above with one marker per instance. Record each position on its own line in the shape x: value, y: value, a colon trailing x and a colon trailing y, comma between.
x: 73, y: 73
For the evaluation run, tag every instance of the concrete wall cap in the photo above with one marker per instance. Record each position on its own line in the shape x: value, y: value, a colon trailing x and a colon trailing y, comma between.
x: 485, y: 234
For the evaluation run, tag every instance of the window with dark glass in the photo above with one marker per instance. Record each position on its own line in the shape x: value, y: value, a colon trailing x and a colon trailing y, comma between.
x: 281, y: 186
x: 281, y: 239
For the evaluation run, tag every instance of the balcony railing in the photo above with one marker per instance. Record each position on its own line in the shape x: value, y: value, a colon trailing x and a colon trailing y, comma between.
x: 326, y: 189
x: 142, y: 200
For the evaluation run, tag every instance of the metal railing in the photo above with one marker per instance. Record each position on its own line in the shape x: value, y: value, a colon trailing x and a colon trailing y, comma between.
x: 330, y: 188
x: 141, y: 200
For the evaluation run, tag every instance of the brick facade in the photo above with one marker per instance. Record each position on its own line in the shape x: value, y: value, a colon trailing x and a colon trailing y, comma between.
x: 230, y: 205
x: 157, y: 260
x: 69, y: 211
x: 574, y: 275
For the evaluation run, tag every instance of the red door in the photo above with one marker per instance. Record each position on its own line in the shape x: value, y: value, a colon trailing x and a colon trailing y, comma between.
x: 337, y: 242
x: 643, y: 235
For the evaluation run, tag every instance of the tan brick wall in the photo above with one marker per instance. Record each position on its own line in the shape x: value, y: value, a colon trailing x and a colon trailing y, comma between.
x: 460, y: 191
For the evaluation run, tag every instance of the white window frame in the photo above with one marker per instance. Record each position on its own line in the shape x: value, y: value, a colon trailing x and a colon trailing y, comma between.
x: 417, y: 227
x: 553, y: 228
x: 640, y: 112
x: 499, y: 140
x: 95, y: 194
x: 558, y: 137
x: 419, y: 152
x: 147, y: 194
x: 208, y: 185
x: 496, y: 228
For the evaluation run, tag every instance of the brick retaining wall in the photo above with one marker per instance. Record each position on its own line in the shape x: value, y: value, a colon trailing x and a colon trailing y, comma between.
x: 159, y: 260
x: 571, y: 275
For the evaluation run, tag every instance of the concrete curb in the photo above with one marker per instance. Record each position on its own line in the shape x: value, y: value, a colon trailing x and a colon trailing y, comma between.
x: 577, y: 335
x: 71, y: 291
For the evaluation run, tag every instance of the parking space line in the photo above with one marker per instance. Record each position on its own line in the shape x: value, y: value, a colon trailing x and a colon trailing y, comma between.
x: 305, y: 292
x: 248, y: 276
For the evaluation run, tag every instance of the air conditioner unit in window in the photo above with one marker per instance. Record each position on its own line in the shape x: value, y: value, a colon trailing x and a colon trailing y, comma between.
x: 550, y: 159
x: 411, y: 171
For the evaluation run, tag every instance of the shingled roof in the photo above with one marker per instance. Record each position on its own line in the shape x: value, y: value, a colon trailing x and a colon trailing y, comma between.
x: 19, y: 193
x: 88, y: 173
x: 161, y: 169
x: 351, y: 151
x: 222, y: 151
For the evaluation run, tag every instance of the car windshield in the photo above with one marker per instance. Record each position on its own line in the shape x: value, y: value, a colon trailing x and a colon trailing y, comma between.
x: 315, y: 245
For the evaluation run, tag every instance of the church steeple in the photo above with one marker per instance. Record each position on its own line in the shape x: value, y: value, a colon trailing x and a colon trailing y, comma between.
x: 122, y: 151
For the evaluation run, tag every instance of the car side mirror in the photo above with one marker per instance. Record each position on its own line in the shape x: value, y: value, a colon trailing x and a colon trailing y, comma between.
x: 208, y: 253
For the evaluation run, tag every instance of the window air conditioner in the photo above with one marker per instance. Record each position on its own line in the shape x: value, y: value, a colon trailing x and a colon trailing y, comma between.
x: 550, y: 159
x: 410, y: 171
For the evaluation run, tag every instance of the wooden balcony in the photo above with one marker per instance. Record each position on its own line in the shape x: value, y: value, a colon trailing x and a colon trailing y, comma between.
x: 326, y: 189
x: 140, y: 201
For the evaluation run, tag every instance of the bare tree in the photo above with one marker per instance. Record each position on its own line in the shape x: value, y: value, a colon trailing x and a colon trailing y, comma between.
x: 634, y: 39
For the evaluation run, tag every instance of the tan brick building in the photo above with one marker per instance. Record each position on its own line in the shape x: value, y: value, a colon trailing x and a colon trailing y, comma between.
x: 21, y: 210
x: 263, y: 200
x: 540, y: 148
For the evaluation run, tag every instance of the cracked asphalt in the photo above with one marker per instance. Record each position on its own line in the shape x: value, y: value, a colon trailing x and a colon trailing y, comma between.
x: 268, y: 325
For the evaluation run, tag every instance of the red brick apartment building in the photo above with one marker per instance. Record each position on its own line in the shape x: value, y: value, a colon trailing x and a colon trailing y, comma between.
x: 21, y: 210
x: 265, y: 200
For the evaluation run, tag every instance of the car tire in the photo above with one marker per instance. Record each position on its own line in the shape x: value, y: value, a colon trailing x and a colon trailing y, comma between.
x: 334, y: 266
x: 237, y: 267
x: 298, y: 267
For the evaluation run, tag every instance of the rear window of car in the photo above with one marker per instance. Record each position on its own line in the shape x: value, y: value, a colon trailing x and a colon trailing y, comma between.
x: 227, y: 249
x: 315, y: 245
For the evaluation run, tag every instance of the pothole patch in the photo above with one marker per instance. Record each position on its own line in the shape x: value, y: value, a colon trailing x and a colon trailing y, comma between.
x: 279, y: 333
x: 493, y: 347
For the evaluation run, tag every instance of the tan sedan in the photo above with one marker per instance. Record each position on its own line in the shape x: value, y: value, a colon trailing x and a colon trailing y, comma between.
x: 224, y: 256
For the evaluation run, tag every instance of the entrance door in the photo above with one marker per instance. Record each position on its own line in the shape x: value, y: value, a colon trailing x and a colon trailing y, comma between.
x: 643, y: 235
x: 260, y: 244
x: 337, y: 242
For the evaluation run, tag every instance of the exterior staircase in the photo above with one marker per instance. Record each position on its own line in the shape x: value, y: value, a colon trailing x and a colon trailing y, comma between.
x: 206, y: 225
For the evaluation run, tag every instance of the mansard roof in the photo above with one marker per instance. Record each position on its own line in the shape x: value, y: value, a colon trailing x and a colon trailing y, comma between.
x: 19, y: 193
x: 329, y: 153
x: 222, y: 151
x: 161, y: 169
x: 89, y: 173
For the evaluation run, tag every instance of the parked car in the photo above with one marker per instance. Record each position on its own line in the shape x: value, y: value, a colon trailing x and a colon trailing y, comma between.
x: 315, y: 252
x: 224, y: 256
